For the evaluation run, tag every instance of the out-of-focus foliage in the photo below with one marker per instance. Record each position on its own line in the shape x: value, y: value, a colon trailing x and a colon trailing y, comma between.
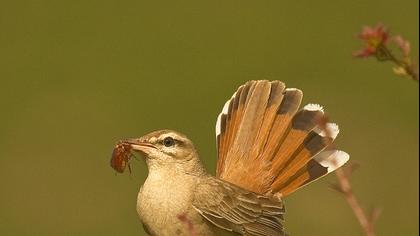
x: 76, y: 76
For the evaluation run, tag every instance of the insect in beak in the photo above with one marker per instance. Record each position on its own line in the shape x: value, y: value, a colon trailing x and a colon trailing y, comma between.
x: 121, y: 156
x: 123, y: 152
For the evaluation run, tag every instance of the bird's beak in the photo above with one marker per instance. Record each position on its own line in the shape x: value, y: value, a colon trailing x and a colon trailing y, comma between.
x: 140, y: 145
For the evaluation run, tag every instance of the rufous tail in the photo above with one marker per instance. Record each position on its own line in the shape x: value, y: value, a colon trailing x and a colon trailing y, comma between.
x: 267, y: 145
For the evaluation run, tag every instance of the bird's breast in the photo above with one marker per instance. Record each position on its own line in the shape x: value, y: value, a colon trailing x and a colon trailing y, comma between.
x: 162, y: 199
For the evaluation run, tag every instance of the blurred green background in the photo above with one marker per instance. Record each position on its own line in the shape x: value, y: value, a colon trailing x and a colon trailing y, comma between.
x: 76, y: 76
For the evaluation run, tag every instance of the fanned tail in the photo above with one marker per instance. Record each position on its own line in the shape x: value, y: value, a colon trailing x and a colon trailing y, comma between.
x: 267, y: 145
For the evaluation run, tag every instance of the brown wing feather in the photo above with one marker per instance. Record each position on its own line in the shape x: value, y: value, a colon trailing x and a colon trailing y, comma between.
x: 265, y: 144
x: 237, y: 210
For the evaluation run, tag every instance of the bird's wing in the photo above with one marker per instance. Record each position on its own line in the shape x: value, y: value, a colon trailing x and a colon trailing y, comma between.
x: 266, y: 144
x: 236, y: 210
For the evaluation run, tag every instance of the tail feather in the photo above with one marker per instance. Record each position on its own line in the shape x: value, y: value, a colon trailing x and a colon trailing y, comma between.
x: 293, y: 150
x: 270, y: 113
x: 267, y: 146
x: 322, y: 164
x: 252, y: 118
x: 277, y: 134
x: 245, y: 124
x: 313, y: 144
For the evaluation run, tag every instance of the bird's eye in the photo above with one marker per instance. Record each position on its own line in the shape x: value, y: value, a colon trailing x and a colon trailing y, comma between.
x: 168, y: 141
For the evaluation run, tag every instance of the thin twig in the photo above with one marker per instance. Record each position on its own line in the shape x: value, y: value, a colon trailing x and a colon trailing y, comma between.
x: 384, y: 54
x: 346, y: 190
x: 344, y: 187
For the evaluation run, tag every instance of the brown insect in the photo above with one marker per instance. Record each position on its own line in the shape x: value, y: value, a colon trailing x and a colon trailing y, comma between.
x: 121, y: 156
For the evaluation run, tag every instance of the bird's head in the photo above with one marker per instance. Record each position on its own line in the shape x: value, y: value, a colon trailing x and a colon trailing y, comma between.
x: 165, y: 148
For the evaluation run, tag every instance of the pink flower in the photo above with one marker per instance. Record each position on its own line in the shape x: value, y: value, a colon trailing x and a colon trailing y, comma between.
x: 373, y: 38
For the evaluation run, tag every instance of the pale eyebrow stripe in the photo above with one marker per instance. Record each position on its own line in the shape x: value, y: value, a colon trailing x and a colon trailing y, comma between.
x: 175, y: 136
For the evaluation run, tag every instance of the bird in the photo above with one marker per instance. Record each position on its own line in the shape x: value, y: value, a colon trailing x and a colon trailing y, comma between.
x: 267, y: 148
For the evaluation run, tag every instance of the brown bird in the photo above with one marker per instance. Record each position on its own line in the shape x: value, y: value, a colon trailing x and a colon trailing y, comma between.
x: 267, y: 149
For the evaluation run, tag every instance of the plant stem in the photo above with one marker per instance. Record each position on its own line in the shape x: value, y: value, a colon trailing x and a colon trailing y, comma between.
x: 386, y: 55
x: 346, y: 189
